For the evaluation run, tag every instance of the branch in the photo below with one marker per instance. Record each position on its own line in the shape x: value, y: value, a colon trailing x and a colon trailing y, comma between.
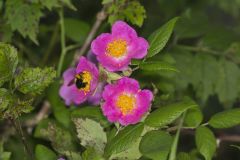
x: 41, y: 115
x: 101, y: 16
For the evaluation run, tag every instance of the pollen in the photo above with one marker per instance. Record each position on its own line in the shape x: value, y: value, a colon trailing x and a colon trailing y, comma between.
x: 117, y: 48
x: 126, y: 103
x: 83, y: 81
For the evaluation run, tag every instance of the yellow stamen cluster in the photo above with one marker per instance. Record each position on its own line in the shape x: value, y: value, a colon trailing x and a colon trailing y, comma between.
x: 86, y: 78
x: 117, y: 48
x: 126, y: 103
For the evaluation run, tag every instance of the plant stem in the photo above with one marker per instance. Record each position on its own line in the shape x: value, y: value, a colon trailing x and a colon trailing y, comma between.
x: 19, y: 130
x: 51, y: 45
x: 101, y: 16
x: 63, y: 42
x: 173, y: 150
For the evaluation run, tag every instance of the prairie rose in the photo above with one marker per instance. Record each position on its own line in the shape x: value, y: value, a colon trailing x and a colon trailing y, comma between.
x: 125, y: 102
x: 115, y: 50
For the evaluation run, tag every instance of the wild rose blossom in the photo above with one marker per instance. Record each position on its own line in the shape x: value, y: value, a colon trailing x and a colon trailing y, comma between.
x: 79, y: 83
x: 115, y: 51
x: 125, y: 102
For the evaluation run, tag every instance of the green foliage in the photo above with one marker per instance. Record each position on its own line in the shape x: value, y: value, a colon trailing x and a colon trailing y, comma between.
x: 193, y: 117
x: 206, y: 142
x: 160, y: 37
x: 91, y: 112
x: 76, y: 30
x: 8, y: 62
x: 34, y: 80
x: 183, y: 156
x: 157, y: 66
x: 4, y: 155
x: 56, y: 4
x: 90, y: 154
x: 91, y: 134
x: 225, y: 119
x: 42, y: 152
x: 21, y: 15
x: 208, y: 75
x: 166, y: 115
x: 156, y: 145
x: 131, y: 11
x: 124, y: 139
x: 60, y: 112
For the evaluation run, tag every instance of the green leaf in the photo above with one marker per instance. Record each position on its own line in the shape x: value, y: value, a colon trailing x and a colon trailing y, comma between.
x: 34, y: 80
x: 106, y: 1
x: 45, y: 153
x: 124, y: 139
x: 160, y: 37
x: 41, y: 131
x: 225, y: 119
x: 156, y: 145
x: 193, y: 117
x: 91, y: 154
x: 183, y: 156
x: 131, y: 11
x: 206, y: 142
x: 157, y: 66
x: 131, y: 153
x: 228, y: 79
x: 76, y: 30
x: 235, y: 146
x: 91, y: 112
x: 60, y: 111
x: 8, y: 62
x: 61, y: 139
x: 166, y: 115
x: 23, y: 17
x: 91, y: 134
x: 4, y: 155
x: 57, y: 4
x: 5, y: 99
x: 204, y: 75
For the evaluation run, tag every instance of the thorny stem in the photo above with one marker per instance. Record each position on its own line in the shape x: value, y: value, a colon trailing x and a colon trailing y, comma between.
x: 101, y: 16
x: 17, y: 125
x: 173, y: 150
x: 63, y: 42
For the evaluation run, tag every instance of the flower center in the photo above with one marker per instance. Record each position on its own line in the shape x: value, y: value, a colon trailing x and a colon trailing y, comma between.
x: 82, y: 81
x: 117, y: 48
x: 126, y: 103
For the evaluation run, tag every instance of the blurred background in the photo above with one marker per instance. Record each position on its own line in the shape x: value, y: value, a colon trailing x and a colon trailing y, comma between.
x: 205, y: 48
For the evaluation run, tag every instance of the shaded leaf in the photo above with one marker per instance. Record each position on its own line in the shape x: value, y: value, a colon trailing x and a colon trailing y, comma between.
x: 156, y: 145
x: 45, y: 153
x: 229, y: 76
x: 20, y: 15
x: 193, y: 117
x: 76, y: 30
x: 183, y: 156
x: 206, y: 142
x: 91, y: 134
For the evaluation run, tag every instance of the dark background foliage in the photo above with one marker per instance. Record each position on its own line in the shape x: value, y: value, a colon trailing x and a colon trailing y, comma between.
x: 205, y: 48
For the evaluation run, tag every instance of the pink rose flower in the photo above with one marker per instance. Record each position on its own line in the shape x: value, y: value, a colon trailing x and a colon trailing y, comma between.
x: 79, y: 83
x: 115, y: 51
x: 125, y: 102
